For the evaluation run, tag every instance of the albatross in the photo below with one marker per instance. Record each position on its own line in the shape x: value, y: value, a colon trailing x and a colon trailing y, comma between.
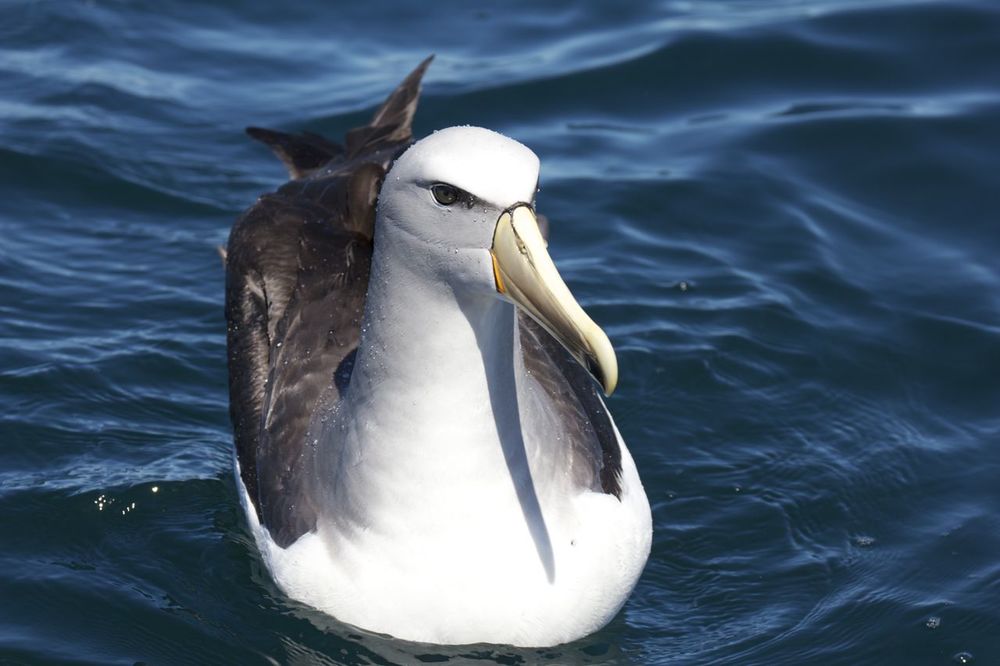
x: 421, y: 444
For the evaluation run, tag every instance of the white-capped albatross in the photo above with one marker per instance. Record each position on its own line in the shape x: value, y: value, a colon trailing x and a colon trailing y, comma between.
x: 419, y: 448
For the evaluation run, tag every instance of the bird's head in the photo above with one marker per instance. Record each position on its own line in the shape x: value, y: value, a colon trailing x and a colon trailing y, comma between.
x: 463, y: 200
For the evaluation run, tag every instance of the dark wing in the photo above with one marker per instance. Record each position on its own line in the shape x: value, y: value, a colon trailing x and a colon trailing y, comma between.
x: 595, y: 457
x: 302, y: 153
x: 296, y: 277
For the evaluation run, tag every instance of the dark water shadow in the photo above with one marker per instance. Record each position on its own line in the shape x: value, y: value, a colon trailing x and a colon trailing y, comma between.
x: 329, y: 641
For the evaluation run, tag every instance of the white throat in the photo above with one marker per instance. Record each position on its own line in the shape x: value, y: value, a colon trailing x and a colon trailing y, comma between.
x: 427, y: 347
x: 429, y: 437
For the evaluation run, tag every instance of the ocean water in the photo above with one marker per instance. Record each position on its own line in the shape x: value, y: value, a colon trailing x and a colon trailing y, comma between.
x: 785, y: 214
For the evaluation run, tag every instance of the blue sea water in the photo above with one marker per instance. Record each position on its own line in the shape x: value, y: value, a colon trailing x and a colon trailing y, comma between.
x: 785, y: 214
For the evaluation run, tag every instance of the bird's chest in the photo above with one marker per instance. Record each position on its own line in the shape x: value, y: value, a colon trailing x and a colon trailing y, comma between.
x: 464, y: 578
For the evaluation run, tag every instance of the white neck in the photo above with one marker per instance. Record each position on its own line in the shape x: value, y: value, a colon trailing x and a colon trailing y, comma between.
x: 426, y: 349
x: 431, y: 413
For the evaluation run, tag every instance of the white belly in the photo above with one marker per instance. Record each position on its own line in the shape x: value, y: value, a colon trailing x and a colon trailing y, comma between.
x: 475, y: 576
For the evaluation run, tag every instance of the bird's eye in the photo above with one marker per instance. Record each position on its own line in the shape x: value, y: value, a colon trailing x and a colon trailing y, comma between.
x: 444, y: 194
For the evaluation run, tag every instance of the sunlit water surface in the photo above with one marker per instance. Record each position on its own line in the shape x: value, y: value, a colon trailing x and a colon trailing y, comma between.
x: 784, y: 214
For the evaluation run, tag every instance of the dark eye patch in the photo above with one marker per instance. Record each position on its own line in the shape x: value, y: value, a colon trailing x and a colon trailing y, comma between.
x: 444, y: 194
x: 447, y: 195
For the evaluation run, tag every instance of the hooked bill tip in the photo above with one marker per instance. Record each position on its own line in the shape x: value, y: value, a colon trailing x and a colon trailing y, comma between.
x: 594, y: 368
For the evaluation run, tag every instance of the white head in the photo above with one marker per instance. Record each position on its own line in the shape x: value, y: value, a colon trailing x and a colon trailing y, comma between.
x: 488, y: 173
x: 458, y: 208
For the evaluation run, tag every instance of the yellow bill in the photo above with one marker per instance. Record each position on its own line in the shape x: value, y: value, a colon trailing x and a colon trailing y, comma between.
x: 525, y: 274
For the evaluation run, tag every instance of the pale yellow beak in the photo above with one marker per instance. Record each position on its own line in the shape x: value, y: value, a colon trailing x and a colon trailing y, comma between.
x: 525, y: 274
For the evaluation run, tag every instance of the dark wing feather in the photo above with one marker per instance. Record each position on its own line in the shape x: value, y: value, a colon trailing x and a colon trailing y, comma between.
x: 296, y: 277
x: 393, y: 122
x: 320, y: 329
x: 302, y: 153
x: 594, y: 455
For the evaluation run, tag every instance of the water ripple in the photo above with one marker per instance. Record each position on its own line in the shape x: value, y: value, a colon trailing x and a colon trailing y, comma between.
x: 781, y: 212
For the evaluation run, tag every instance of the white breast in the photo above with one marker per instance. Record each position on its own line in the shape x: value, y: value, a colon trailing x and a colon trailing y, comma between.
x: 478, y: 577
